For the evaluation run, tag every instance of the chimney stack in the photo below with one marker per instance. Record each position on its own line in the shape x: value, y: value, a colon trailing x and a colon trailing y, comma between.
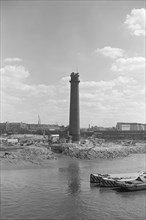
x: 74, y: 121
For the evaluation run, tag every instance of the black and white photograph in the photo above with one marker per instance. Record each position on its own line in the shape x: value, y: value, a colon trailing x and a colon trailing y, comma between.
x: 72, y: 110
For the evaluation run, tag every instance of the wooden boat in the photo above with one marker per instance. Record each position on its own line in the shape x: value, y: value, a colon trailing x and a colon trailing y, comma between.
x: 113, y: 180
x: 135, y: 185
x: 132, y: 187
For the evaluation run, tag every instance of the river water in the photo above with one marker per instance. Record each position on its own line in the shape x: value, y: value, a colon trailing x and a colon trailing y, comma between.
x: 62, y: 191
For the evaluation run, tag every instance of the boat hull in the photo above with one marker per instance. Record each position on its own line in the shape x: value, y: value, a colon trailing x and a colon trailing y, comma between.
x: 132, y: 187
x: 111, y: 180
x: 103, y: 182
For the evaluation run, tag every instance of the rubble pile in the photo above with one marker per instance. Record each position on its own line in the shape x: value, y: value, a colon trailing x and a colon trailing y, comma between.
x: 36, y: 153
x: 104, y: 150
x: 30, y: 154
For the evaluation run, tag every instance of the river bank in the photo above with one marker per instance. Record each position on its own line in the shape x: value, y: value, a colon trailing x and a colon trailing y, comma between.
x: 106, y: 150
x: 27, y: 156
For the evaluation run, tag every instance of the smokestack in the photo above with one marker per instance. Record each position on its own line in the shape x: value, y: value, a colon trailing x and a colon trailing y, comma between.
x: 74, y: 121
x: 39, y: 120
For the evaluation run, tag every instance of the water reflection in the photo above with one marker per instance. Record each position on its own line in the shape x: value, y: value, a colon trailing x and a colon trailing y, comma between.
x: 73, y: 177
x: 70, y: 176
x: 130, y: 194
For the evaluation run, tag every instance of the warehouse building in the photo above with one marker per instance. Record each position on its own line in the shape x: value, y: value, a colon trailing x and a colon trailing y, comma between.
x: 125, y: 126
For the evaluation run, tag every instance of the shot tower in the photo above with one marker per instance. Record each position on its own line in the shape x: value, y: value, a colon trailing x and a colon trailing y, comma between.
x: 74, y: 121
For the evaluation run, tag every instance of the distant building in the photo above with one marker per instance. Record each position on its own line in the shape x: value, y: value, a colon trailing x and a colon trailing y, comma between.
x: 33, y: 127
x: 12, y: 141
x: 2, y: 128
x: 18, y: 127
x: 36, y: 127
x: 97, y: 128
x: 125, y: 126
x: 14, y: 126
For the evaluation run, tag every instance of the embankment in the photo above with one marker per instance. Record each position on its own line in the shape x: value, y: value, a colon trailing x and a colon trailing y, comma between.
x: 39, y: 155
x: 26, y: 155
x: 105, y: 150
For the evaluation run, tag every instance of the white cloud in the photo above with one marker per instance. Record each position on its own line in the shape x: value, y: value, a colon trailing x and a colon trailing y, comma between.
x: 96, y: 85
x: 111, y: 52
x: 9, y: 99
x: 14, y: 81
x: 19, y: 96
x: 136, y: 22
x: 65, y: 80
x: 119, y: 99
x: 102, y: 89
x: 16, y: 59
x: 129, y: 64
x: 14, y: 72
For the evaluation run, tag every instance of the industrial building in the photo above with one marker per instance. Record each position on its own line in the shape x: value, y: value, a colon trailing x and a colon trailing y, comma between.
x: 125, y: 126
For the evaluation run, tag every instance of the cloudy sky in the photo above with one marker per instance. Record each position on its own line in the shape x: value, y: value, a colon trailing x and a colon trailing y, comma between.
x: 44, y: 41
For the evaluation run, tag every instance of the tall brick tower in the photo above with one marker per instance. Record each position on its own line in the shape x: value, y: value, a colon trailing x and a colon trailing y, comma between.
x: 74, y: 121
